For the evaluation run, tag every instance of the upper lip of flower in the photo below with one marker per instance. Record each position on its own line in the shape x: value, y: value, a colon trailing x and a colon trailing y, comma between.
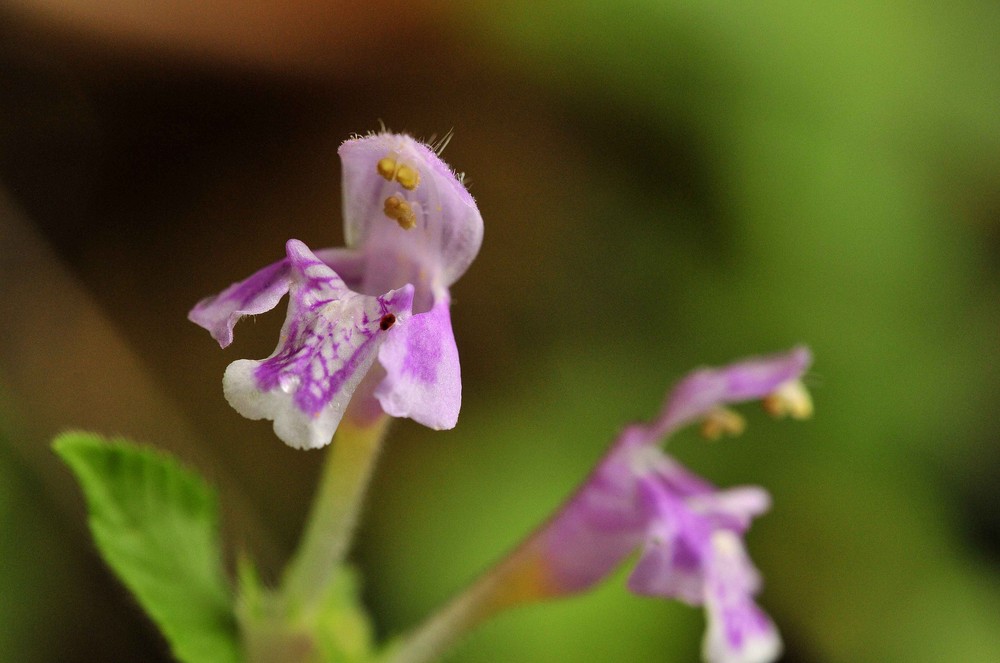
x: 448, y: 229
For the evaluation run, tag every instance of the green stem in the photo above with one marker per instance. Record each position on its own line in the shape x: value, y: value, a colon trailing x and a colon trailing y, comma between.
x: 514, y: 581
x: 331, y: 523
x: 432, y: 639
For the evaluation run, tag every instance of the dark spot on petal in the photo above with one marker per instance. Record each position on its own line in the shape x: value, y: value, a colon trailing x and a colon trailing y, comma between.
x: 388, y: 320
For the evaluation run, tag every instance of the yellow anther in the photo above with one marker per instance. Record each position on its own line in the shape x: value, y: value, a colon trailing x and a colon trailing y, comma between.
x: 390, y: 169
x: 386, y: 167
x: 722, y: 421
x: 408, y: 177
x: 789, y: 399
x: 400, y: 211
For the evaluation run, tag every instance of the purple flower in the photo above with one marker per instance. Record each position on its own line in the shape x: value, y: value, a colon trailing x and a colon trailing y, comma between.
x: 412, y: 230
x: 688, y: 531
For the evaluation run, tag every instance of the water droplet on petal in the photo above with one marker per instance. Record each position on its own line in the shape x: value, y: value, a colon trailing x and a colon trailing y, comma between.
x: 288, y: 383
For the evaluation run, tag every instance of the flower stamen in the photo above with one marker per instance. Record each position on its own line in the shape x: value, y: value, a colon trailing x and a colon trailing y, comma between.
x: 390, y: 169
x: 722, y: 421
x: 408, y: 177
x: 386, y: 167
x: 400, y: 211
x: 789, y: 399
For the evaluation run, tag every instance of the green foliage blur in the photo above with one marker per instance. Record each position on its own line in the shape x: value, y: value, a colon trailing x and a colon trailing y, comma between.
x: 665, y: 184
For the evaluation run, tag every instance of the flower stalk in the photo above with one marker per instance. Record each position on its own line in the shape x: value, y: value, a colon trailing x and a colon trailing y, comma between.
x: 508, y: 584
x: 334, y: 514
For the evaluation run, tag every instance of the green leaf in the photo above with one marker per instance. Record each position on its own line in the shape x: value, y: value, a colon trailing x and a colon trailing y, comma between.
x: 342, y: 624
x: 156, y: 525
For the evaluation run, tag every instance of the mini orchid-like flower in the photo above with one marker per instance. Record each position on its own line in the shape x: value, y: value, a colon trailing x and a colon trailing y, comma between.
x: 412, y: 230
x: 689, y: 532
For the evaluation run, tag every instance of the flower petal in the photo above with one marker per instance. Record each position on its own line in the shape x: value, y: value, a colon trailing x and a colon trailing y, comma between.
x: 445, y: 231
x: 708, y: 388
x: 262, y: 291
x: 423, y: 380
x: 594, y: 531
x: 681, y: 526
x: 349, y: 265
x: 672, y: 560
x: 329, y: 341
x: 733, y: 508
x: 258, y: 293
x: 738, y: 630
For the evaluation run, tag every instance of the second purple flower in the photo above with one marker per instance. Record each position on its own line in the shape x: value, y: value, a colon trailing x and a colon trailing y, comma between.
x: 688, y: 532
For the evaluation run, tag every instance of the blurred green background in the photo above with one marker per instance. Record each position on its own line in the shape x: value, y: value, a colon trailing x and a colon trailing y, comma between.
x: 665, y: 184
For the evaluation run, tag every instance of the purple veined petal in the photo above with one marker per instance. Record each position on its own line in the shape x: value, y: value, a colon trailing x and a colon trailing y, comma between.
x: 258, y: 293
x: 262, y: 291
x: 329, y: 341
x: 423, y: 380
x: 314, y: 282
x: 705, y: 389
x: 435, y: 223
x: 738, y: 630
